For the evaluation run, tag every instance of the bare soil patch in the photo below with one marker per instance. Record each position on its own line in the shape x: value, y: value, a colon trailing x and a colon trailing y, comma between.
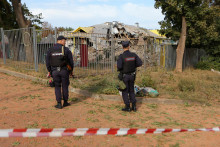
x: 26, y: 104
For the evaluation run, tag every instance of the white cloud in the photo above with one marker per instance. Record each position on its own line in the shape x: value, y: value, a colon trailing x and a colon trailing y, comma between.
x: 145, y: 15
x: 82, y: 13
x: 66, y: 13
x: 141, y: 12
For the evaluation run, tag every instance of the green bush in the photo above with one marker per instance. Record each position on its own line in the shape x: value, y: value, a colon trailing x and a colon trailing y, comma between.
x: 146, y: 81
x: 186, y: 85
x: 208, y: 63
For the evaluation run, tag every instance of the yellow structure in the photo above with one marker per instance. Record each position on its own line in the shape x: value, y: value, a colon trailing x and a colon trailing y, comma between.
x: 159, y: 41
x: 84, y: 29
x: 157, y: 32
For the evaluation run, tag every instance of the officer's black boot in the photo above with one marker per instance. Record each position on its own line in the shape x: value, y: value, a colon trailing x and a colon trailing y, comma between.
x: 134, y: 107
x: 59, y: 105
x: 65, y: 103
x: 127, y: 108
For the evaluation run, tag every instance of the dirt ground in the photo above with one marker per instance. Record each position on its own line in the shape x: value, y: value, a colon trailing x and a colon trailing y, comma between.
x: 27, y: 104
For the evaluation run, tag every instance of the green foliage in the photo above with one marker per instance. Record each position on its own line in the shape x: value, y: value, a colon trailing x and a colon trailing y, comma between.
x: 209, y: 63
x: 104, y: 84
x: 35, y: 19
x: 202, y: 18
x: 146, y: 81
x: 186, y: 85
x: 8, y: 18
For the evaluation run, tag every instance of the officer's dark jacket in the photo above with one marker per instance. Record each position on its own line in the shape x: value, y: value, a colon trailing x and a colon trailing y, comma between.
x: 55, y: 57
x: 128, y: 62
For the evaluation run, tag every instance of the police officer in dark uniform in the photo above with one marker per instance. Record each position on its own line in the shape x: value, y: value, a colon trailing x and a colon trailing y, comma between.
x: 127, y: 64
x: 58, y: 57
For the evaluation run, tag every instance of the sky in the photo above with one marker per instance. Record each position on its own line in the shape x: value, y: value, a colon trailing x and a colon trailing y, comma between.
x: 84, y: 13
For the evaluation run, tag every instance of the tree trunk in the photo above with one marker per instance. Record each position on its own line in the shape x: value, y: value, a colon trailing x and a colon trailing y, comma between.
x: 181, y: 47
x: 23, y: 23
x: 1, y: 21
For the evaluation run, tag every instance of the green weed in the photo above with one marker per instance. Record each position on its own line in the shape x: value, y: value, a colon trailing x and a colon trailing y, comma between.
x: 35, y: 125
x: 92, y: 112
x: 175, y: 145
x: 186, y: 85
x: 152, y: 106
x: 15, y: 143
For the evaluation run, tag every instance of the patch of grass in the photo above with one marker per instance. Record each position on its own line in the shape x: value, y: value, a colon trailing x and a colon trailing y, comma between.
x: 149, y: 117
x: 34, y: 96
x: 152, y: 106
x: 170, y: 123
x: 146, y: 81
x: 108, y: 117
x: 23, y: 97
x: 113, y: 107
x: 203, y: 85
x: 35, y: 125
x: 3, y: 108
x: 78, y: 137
x: 132, y: 124
x: 186, y: 104
x: 46, y: 126
x: 175, y: 145
x: 124, y: 113
x: 73, y: 99
x: 15, y: 143
x: 100, y: 110
x: 91, y: 112
x: 186, y: 85
x: 75, y: 120
x: 39, y: 109
x: 36, y: 82
x: 92, y: 119
x: 22, y: 112
x: 103, y: 84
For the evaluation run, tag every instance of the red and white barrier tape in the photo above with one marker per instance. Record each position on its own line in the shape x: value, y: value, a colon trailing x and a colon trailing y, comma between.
x: 59, y: 132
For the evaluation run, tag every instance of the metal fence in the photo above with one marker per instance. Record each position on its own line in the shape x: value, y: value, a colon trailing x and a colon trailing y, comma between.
x: 19, y: 45
x: 93, y: 54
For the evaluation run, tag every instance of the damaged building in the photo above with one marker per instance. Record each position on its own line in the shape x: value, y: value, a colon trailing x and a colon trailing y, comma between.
x: 92, y: 44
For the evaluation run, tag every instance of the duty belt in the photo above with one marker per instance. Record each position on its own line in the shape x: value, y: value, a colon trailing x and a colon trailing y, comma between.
x: 60, y: 68
x: 132, y: 73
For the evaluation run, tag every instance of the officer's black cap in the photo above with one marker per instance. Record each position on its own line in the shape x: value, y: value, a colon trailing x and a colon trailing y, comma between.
x: 61, y: 38
x: 125, y: 44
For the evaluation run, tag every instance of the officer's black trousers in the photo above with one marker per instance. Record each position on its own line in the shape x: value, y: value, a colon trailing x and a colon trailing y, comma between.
x: 61, y: 79
x: 129, y: 82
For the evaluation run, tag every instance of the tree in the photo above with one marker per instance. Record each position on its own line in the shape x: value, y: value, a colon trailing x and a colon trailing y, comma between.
x: 188, y: 20
x: 7, y: 15
x: 13, y: 15
x: 25, y: 19
x: 211, y: 43
x: 23, y: 16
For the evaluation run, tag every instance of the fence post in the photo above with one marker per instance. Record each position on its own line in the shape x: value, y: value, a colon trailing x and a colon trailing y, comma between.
x: 145, y: 55
x: 113, y: 54
x: 3, y: 45
x: 35, y: 50
x: 112, y: 50
x: 55, y: 32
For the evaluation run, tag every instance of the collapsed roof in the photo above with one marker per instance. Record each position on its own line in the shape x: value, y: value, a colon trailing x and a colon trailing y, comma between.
x: 119, y: 30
